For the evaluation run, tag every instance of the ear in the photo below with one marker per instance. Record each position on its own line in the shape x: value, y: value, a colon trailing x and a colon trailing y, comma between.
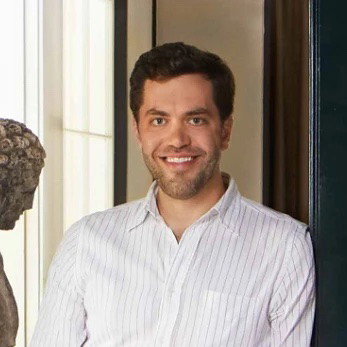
x: 136, y: 132
x: 226, y: 132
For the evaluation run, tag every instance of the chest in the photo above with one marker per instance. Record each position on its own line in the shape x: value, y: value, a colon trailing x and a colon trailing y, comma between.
x: 146, y: 287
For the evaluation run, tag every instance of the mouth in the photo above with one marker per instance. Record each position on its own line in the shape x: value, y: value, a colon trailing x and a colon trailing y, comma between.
x: 178, y: 159
x: 180, y: 162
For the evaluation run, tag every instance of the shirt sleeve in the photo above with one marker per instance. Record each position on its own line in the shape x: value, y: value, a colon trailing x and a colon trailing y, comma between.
x: 293, y: 304
x: 61, y: 320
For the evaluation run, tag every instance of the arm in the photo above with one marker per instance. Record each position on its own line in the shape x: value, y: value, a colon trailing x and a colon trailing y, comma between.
x: 61, y: 319
x: 292, y: 309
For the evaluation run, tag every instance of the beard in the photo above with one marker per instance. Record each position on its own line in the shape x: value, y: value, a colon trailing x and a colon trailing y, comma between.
x: 179, y: 186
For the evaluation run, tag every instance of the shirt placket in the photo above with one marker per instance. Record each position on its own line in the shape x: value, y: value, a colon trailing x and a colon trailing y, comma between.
x: 170, y: 304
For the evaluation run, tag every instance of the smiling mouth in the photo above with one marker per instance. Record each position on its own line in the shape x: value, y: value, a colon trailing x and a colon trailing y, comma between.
x: 179, y: 162
x: 178, y: 159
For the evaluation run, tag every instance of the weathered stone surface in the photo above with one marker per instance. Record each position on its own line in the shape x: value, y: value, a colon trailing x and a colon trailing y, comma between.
x: 21, y: 161
x: 8, y: 311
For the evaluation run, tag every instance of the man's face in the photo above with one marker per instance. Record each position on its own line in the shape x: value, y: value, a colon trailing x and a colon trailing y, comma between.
x: 180, y: 134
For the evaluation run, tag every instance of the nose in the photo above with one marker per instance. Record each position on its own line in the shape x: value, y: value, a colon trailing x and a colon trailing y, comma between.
x: 179, y: 136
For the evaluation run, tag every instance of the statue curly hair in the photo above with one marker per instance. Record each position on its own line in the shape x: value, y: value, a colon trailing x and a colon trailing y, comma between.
x: 21, y: 162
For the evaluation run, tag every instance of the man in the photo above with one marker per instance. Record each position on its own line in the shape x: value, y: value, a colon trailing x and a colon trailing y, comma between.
x: 193, y: 263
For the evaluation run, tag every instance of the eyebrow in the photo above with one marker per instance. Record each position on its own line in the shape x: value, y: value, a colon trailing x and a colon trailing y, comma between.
x: 197, y: 111
x: 155, y: 112
x: 194, y: 112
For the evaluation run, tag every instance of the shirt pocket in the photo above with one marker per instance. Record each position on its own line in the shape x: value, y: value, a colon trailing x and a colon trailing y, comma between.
x: 232, y: 319
x: 232, y: 306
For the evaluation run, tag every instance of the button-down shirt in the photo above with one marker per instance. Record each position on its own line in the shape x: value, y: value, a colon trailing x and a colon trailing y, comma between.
x: 241, y: 275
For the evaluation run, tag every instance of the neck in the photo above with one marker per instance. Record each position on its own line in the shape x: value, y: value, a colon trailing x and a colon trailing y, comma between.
x: 180, y: 214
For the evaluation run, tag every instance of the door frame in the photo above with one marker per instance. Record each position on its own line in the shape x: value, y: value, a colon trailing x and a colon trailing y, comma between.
x: 328, y: 168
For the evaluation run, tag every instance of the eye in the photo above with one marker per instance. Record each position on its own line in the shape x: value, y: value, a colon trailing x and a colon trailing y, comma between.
x: 158, y: 121
x: 197, y: 121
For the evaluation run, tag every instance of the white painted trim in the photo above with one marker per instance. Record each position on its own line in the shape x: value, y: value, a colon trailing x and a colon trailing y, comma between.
x: 52, y: 41
x: 32, y: 114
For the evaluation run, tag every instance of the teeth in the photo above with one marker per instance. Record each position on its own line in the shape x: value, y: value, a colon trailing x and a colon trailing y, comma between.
x: 178, y: 160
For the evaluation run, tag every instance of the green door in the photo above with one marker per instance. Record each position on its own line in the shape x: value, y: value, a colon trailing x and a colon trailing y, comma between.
x: 328, y: 180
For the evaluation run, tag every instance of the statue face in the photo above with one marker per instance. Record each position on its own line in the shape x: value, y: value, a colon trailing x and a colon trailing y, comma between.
x: 13, y: 204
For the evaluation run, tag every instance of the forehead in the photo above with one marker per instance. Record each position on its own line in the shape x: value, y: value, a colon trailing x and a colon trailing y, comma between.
x: 187, y: 89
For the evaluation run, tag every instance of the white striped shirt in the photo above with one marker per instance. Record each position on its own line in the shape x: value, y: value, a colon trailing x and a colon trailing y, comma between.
x: 241, y: 275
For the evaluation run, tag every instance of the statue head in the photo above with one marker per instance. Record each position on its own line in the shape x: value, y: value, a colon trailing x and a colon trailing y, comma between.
x: 21, y: 161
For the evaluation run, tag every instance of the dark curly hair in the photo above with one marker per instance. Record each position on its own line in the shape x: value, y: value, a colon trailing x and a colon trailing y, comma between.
x: 176, y: 59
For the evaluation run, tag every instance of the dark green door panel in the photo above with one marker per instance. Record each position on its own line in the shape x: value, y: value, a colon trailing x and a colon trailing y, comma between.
x: 329, y: 168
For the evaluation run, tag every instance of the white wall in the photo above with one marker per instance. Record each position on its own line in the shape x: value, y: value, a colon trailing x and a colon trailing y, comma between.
x: 233, y: 30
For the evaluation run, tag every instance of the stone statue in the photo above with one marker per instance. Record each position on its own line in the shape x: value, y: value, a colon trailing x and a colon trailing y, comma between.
x: 21, y: 162
x: 8, y: 311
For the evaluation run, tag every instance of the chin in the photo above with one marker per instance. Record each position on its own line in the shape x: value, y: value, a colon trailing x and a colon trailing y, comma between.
x: 180, y: 190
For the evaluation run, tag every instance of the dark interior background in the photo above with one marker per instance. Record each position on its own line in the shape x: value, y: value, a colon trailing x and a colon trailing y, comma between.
x: 286, y: 107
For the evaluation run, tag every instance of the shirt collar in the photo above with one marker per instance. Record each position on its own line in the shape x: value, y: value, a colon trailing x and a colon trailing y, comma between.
x: 147, y: 206
x: 227, y: 207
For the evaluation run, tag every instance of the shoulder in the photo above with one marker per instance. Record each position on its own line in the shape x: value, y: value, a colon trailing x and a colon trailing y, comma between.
x: 285, y: 240
x: 112, y: 220
x: 129, y: 207
x: 120, y: 216
x: 88, y: 237
x: 271, y: 216
x: 104, y: 224
x: 280, y: 230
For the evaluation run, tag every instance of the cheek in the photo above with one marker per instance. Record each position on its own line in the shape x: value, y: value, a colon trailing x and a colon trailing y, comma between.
x: 151, y: 142
x: 208, y: 140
